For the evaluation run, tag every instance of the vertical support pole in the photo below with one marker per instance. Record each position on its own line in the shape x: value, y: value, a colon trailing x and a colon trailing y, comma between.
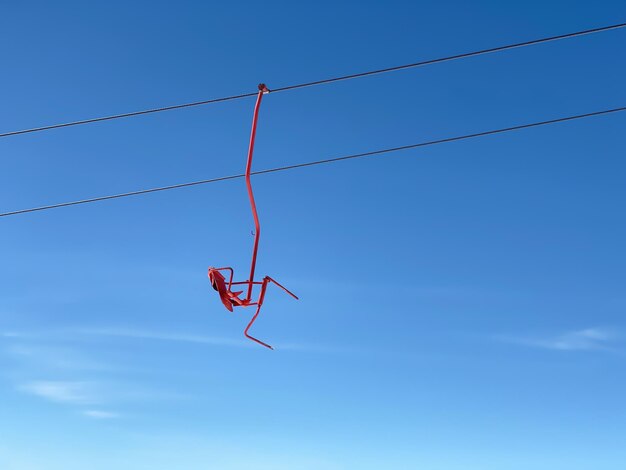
x: 257, y: 226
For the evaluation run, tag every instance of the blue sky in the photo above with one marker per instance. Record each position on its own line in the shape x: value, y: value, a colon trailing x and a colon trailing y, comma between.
x: 462, y: 306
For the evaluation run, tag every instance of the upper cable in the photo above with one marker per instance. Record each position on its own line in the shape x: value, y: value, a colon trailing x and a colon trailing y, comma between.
x: 320, y: 82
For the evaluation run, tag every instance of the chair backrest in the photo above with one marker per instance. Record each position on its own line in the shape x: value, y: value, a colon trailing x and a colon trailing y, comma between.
x: 219, y: 284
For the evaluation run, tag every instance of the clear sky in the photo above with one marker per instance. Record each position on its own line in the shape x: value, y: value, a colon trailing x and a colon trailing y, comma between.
x: 462, y: 306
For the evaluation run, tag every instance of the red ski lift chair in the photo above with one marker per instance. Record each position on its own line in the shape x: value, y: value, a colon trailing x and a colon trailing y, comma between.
x: 236, y: 298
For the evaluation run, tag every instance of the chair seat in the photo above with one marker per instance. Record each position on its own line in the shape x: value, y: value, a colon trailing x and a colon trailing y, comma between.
x: 234, y: 297
x: 228, y: 297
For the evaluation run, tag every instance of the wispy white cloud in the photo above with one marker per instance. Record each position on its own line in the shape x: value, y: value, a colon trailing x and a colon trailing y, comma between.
x: 579, y: 340
x: 48, y: 358
x: 72, y: 334
x: 75, y: 335
x: 162, y: 336
x: 98, y: 392
x: 211, y: 340
x: 11, y: 334
x: 77, y: 393
x: 64, y: 367
x: 100, y: 414
x: 319, y: 348
x: 201, y: 339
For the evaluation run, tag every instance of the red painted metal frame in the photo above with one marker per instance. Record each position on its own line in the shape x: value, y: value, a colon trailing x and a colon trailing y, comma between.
x: 229, y: 297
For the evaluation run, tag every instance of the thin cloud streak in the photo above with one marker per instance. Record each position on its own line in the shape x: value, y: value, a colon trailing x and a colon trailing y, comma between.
x: 208, y: 340
x: 77, y: 393
x: 99, y: 414
x: 71, y: 334
x: 158, y: 336
x: 588, y: 339
x: 11, y: 334
x: 54, y: 358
